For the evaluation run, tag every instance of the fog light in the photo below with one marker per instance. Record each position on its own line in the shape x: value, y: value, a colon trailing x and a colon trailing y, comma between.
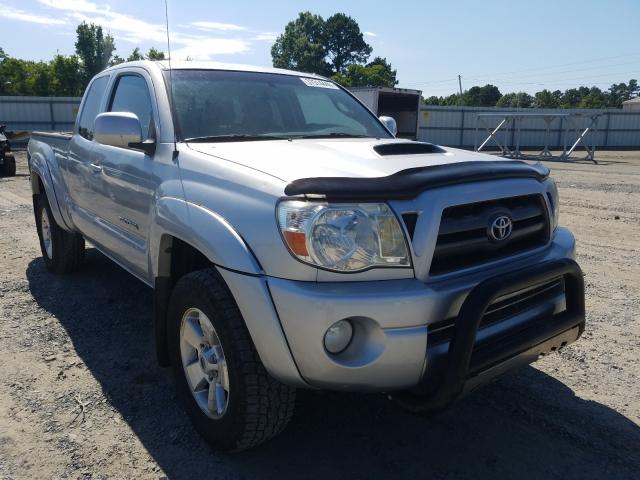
x: 338, y: 336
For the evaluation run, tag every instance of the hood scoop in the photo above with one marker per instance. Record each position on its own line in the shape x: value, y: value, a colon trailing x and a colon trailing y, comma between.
x: 407, y: 148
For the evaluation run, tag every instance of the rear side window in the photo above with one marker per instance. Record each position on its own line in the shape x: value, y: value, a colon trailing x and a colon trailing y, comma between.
x: 91, y: 107
x: 132, y: 95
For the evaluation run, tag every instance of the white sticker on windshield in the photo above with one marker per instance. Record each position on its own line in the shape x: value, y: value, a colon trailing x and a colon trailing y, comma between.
x: 314, y: 82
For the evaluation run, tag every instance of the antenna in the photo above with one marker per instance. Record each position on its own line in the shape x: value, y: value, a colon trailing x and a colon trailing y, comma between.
x: 171, y: 102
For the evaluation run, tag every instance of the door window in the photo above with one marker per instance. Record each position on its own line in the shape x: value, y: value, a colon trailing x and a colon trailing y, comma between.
x: 132, y: 95
x: 91, y: 107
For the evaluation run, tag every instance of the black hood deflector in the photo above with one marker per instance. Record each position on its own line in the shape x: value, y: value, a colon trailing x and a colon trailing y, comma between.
x: 409, y: 183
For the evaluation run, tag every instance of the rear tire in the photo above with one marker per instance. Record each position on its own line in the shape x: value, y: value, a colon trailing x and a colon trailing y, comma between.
x: 232, y: 401
x: 62, y: 251
x: 8, y: 169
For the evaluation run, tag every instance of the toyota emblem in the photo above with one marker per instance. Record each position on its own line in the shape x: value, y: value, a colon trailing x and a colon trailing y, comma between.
x: 500, y: 228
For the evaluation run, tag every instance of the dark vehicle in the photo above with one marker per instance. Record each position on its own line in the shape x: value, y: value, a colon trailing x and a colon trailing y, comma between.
x: 7, y: 160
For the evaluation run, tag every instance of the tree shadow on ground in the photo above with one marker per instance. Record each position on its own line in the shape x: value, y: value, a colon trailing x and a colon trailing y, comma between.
x: 525, y: 425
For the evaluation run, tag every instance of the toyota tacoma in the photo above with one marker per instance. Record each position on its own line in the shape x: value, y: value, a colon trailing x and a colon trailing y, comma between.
x: 293, y: 242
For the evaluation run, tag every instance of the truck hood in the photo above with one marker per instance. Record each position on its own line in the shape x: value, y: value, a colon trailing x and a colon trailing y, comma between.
x: 304, y: 158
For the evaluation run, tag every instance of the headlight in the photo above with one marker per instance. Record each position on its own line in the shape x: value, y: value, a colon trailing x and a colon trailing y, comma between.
x: 343, y: 237
x: 554, y: 200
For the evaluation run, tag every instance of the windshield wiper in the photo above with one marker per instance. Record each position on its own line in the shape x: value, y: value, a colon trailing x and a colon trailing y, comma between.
x: 236, y: 137
x: 241, y: 137
x: 334, y: 135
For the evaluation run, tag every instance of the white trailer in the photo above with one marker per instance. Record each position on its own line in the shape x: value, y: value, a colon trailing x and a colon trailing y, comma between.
x: 400, y: 103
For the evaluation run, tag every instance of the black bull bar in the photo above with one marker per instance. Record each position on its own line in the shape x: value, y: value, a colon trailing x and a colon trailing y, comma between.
x: 461, y: 345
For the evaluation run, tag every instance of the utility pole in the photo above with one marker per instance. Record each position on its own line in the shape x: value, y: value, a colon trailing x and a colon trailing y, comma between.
x: 460, y: 84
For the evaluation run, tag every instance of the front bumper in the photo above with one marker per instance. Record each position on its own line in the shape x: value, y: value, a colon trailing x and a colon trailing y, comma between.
x: 392, y: 320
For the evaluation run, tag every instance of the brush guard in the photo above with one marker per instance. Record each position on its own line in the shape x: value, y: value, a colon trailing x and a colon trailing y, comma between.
x: 462, y: 343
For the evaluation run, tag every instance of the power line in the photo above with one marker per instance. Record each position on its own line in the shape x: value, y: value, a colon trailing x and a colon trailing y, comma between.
x: 550, y: 67
x: 565, y: 79
x: 530, y: 69
x: 529, y: 75
x: 447, y: 80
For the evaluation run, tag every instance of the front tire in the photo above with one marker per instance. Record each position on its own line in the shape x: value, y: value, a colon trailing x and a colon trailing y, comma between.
x: 62, y: 251
x: 231, y: 399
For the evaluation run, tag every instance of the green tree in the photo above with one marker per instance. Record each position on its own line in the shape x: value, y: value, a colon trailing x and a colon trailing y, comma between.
x: 108, y: 46
x: 619, y: 92
x: 4, y: 79
x: 432, y: 100
x: 135, y: 55
x: 343, y: 42
x: 94, y: 49
x: 546, y: 99
x: 570, y: 99
x: 155, y: 54
x: 387, y: 67
x: 327, y: 47
x: 67, y: 75
x: 507, y: 100
x: 486, y: 96
x: 40, y: 76
x: 515, y: 100
x: 594, y: 99
x: 366, y: 76
x: 453, y: 99
x: 64, y: 75
x: 116, y: 60
x: 301, y: 46
x: 14, y: 77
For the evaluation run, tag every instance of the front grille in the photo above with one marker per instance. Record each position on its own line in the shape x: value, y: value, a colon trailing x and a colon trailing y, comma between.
x: 502, y: 308
x: 463, y: 239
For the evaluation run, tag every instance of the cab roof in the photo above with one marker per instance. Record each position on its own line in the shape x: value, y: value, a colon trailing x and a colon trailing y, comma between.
x: 207, y: 65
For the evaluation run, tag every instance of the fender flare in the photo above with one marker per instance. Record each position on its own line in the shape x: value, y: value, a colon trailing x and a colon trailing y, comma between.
x: 176, y: 218
x: 40, y: 169
x: 205, y: 230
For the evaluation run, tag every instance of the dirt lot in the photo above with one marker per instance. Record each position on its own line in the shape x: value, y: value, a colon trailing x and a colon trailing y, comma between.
x: 82, y: 397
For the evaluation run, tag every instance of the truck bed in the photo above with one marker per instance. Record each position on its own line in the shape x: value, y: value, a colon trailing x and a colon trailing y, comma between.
x: 54, y: 135
x: 57, y: 140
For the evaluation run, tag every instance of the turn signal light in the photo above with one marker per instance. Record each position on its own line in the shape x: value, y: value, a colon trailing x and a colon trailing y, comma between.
x: 297, y: 243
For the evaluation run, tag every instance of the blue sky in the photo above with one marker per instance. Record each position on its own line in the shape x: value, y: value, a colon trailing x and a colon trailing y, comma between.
x: 513, y: 44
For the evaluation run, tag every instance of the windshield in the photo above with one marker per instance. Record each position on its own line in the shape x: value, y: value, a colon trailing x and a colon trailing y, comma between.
x: 223, y: 105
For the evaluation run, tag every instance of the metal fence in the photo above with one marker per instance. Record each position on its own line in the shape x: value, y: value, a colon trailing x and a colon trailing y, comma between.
x: 458, y: 127
x: 38, y: 113
x: 453, y: 126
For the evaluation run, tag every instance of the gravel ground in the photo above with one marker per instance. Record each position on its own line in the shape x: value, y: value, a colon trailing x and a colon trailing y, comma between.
x: 82, y: 397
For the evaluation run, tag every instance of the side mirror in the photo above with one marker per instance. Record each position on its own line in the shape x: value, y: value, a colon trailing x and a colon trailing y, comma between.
x: 390, y: 123
x: 123, y: 130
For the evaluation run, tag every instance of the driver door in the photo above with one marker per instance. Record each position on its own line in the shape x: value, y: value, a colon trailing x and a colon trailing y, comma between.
x: 126, y: 187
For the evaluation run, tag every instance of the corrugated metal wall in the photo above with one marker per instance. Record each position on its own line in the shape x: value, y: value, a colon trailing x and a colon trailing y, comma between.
x: 38, y: 113
x: 453, y: 126
x: 456, y: 127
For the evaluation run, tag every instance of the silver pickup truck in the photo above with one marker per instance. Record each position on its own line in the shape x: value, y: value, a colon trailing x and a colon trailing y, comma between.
x: 293, y: 242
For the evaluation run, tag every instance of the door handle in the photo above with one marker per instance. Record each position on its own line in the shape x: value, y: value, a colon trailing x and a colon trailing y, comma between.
x: 95, y: 168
